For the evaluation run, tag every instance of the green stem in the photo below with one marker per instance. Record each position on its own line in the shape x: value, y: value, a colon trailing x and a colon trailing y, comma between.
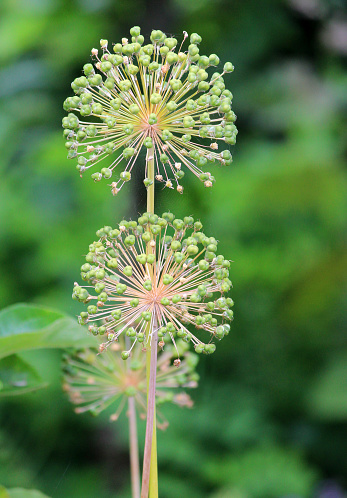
x: 150, y: 464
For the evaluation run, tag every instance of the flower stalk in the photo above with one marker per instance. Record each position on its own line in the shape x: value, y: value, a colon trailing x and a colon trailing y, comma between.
x: 150, y: 464
x: 134, y: 449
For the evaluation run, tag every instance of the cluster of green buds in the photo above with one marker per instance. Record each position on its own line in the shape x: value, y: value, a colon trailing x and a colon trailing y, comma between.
x: 156, y: 274
x: 96, y: 382
x: 158, y: 97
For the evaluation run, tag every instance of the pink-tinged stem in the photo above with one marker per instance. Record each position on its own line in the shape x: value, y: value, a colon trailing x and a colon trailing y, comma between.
x: 134, y: 449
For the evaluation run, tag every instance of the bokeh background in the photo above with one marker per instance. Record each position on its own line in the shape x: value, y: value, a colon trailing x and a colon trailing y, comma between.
x: 270, y: 415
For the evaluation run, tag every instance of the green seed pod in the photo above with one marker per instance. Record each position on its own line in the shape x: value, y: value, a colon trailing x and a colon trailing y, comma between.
x: 121, y: 288
x: 125, y: 85
x: 105, y: 66
x: 146, y: 236
x: 128, y: 271
x: 146, y: 315
x: 192, y: 250
x: 125, y: 176
x: 178, y: 224
x: 171, y: 106
x: 164, y: 51
x: 99, y: 287
x: 147, y: 284
x: 125, y: 355
x: 199, y: 348
x: 112, y: 263
x: 135, y: 31
x: 132, y: 69
x: 165, y: 301
x: 92, y: 310
x: 170, y: 327
x: 155, y: 98
x: 88, y: 69
x: 155, y: 229
x: 195, y: 38
x: 153, y: 66
x: 195, y: 298
x: 203, y: 86
x: 209, y: 348
x: 170, y: 43
x: 103, y: 297
x: 179, y: 257
x: 147, y: 182
x: 169, y: 217
x: 167, y: 279
x: 129, y: 240
x: 148, y: 143
x: 150, y: 259
x: 228, y: 67
x: 116, y: 314
x: 171, y: 58
x: 176, y: 85
x: 152, y: 119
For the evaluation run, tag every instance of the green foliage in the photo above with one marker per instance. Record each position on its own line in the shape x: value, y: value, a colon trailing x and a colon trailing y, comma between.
x: 279, y: 212
x: 18, y: 377
x: 20, y: 493
x: 265, y: 472
x: 24, y: 327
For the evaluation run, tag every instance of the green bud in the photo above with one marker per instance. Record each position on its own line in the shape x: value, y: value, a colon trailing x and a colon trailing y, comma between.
x: 228, y: 67
x: 209, y: 348
x: 192, y: 250
x: 171, y: 106
x: 125, y: 355
x: 195, y: 38
x: 128, y: 271
x: 155, y: 98
x: 167, y: 279
x: 169, y: 217
x: 135, y: 31
x: 147, y: 284
x: 146, y: 315
x: 129, y: 240
x: 125, y: 176
x: 121, y: 288
x: 199, y: 348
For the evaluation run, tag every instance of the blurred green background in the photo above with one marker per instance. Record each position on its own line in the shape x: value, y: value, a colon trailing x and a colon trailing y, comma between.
x: 270, y: 414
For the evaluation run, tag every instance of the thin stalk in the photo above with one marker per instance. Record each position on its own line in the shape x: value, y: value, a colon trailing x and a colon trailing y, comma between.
x: 134, y: 449
x: 150, y: 464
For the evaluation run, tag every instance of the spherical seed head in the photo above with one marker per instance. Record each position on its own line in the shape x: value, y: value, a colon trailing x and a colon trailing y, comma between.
x: 160, y: 271
x: 156, y: 96
x: 95, y: 381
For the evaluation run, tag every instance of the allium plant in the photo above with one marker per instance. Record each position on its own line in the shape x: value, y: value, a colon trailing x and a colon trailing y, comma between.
x: 153, y: 284
x: 161, y: 96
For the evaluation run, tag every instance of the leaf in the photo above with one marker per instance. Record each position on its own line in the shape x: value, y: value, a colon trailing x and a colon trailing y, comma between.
x: 25, y: 493
x: 18, y: 377
x: 3, y: 492
x: 26, y: 326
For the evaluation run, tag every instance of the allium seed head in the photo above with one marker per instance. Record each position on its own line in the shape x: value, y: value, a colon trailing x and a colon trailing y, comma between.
x: 155, y: 96
x: 95, y: 381
x: 158, y: 271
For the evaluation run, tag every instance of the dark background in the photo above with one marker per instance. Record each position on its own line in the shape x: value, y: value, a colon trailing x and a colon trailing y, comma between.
x: 270, y: 413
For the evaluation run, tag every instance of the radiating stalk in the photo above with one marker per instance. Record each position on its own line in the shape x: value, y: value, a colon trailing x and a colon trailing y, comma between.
x: 150, y: 465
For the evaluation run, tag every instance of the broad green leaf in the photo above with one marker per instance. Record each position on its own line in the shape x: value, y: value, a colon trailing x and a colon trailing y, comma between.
x: 3, y: 492
x: 25, y: 493
x: 18, y: 377
x: 25, y: 326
